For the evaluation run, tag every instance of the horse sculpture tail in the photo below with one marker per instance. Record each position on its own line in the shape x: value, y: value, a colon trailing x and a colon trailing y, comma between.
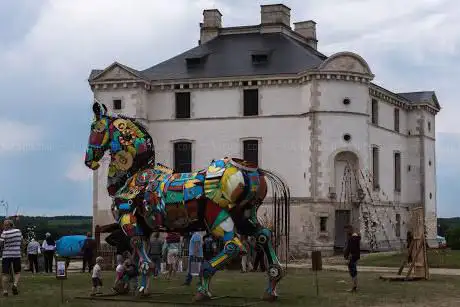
x: 281, y: 199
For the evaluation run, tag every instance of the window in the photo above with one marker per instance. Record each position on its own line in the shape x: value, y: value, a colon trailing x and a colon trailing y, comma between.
x: 183, y: 157
x: 258, y: 59
x: 375, y: 112
x: 397, y: 171
x: 251, y: 151
x: 346, y: 101
x: 117, y: 104
x: 398, y: 225
x: 251, y: 102
x: 375, y: 168
x: 396, y: 118
x: 323, y: 223
x: 429, y: 126
x: 347, y: 137
x: 183, y: 105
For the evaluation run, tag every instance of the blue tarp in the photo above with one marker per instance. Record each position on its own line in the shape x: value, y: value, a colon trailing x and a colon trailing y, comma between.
x: 70, y: 246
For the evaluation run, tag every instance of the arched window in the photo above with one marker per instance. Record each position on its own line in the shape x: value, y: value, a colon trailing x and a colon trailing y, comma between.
x: 251, y: 151
x: 183, y: 157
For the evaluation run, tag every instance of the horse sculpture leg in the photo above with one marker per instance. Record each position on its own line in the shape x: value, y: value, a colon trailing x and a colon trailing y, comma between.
x: 223, y: 228
x: 275, y: 271
x: 128, y: 223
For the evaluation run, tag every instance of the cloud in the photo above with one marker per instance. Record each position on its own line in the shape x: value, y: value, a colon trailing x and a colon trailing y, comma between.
x: 77, y: 170
x: 71, y: 37
x: 413, y: 47
x: 20, y: 137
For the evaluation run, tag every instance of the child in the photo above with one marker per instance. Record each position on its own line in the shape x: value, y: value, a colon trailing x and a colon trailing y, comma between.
x: 119, y: 286
x: 97, y: 276
x: 125, y: 271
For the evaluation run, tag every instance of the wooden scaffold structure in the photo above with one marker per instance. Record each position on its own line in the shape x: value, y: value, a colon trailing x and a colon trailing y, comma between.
x: 416, y: 259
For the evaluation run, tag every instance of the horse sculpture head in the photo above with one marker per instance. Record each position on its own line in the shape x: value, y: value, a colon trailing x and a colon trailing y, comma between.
x: 99, y: 138
x: 130, y: 146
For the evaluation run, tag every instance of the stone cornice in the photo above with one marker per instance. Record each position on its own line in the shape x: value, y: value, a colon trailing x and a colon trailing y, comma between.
x: 119, y: 84
x: 261, y: 80
x: 232, y: 82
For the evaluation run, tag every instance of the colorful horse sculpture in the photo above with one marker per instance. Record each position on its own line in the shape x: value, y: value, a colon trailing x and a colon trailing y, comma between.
x: 222, y: 199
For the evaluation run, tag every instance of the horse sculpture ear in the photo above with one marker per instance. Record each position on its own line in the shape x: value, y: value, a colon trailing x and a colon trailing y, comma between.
x: 97, y: 110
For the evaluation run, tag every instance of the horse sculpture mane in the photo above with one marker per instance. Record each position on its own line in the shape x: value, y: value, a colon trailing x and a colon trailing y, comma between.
x: 221, y: 199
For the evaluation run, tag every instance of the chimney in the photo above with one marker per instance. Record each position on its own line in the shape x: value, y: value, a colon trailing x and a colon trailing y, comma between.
x: 307, y: 29
x: 275, y: 14
x: 209, y: 28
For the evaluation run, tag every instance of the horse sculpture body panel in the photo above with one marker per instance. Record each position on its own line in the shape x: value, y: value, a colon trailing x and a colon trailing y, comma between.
x: 221, y: 199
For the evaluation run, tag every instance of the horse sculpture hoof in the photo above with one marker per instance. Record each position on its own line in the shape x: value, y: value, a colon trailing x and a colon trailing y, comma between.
x: 140, y: 292
x: 269, y: 297
x: 199, y: 297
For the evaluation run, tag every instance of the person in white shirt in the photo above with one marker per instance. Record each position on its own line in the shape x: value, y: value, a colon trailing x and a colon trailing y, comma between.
x: 97, y: 276
x: 33, y: 250
x: 49, y: 247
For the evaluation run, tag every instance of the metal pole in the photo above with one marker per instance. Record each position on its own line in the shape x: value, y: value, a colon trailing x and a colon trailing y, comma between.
x: 62, y: 291
x: 4, y: 203
x: 317, y: 284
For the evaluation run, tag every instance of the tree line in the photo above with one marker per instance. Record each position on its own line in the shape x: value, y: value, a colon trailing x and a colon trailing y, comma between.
x: 450, y: 229
x: 57, y: 226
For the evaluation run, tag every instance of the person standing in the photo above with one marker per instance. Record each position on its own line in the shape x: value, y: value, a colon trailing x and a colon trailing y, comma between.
x: 88, y: 253
x: 195, y: 255
x: 49, y: 248
x: 11, y: 240
x: 352, y: 253
x: 208, y: 247
x: 171, y: 250
x: 33, y: 250
x: 246, y: 264
x: 260, y: 259
x: 155, y: 251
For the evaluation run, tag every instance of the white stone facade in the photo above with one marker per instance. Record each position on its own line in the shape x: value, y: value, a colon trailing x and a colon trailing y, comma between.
x: 300, y: 128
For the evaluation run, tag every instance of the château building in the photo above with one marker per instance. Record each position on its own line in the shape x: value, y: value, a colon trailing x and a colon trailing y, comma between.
x: 350, y: 150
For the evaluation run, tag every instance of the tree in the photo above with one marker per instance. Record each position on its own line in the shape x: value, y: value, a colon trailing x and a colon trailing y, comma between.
x: 453, y: 238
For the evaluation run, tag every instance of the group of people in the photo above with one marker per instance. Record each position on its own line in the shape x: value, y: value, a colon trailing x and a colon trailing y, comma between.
x: 169, y: 251
x: 34, y: 249
x: 200, y: 249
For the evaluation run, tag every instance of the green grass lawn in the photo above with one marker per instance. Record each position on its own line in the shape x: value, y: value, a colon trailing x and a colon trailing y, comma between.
x: 297, y: 289
x: 436, y: 259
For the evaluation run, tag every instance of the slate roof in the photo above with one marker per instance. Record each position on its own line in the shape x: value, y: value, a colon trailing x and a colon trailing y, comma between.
x: 231, y: 55
x: 94, y: 73
x: 421, y: 97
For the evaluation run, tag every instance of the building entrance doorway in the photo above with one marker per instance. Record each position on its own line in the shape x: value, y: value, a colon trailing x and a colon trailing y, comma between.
x: 342, y: 219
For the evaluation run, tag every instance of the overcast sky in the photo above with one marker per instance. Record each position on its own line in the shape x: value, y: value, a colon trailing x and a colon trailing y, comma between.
x: 48, y: 47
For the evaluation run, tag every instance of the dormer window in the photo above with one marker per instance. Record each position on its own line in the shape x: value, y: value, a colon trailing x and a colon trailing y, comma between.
x: 196, y: 61
x: 259, y: 59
